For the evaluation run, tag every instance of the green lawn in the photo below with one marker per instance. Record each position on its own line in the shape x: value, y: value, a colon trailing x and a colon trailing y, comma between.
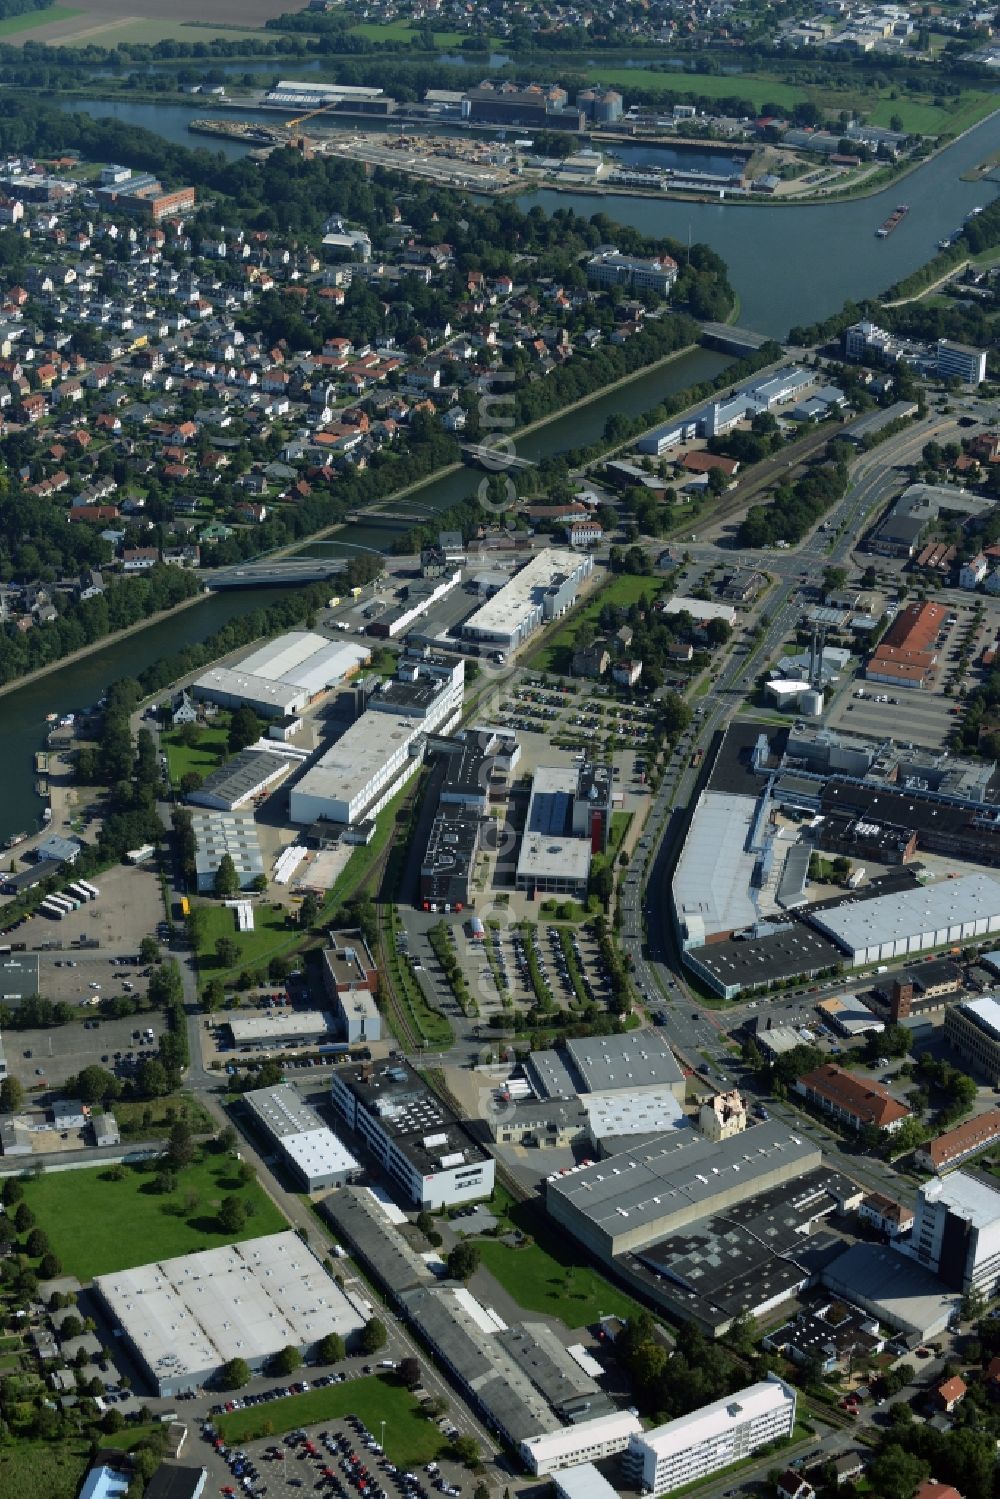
x: 550, y: 1274
x: 271, y: 935
x: 409, y: 1437
x: 162, y: 1113
x: 622, y: 591
x: 403, y: 31
x: 31, y: 19
x: 204, y: 757
x: 96, y: 1225
x: 43, y: 1470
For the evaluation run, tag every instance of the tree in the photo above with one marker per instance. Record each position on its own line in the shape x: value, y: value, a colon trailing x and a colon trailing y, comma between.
x: 112, y: 1421
x: 37, y: 1243
x: 227, y: 950
x: 287, y: 1361
x: 309, y: 909
x: 234, y: 1375
x: 49, y: 1266
x: 331, y: 1349
x: 409, y: 1373
x: 190, y: 781
x: 463, y: 1260
x: 227, y: 881
x: 24, y: 1218
x: 149, y: 950
x: 94, y: 1084
x: 214, y: 995
x: 70, y: 1327
x: 373, y: 1336
x: 244, y: 730
x: 181, y: 1146
x: 11, y: 1095
x: 225, y: 1140
x: 466, y: 1450
x: 896, y: 1474
x: 13, y: 1191
x: 232, y: 1215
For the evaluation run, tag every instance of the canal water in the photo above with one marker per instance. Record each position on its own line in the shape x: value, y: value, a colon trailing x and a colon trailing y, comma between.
x: 789, y: 265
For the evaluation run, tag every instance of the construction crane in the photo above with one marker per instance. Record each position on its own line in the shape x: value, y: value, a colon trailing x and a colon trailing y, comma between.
x: 291, y: 124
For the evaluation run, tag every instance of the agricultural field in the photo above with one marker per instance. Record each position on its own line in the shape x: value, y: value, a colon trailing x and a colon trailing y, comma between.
x: 106, y: 23
x: 82, y: 1212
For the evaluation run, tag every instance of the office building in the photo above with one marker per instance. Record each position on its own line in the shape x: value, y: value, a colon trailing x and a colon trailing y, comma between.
x: 362, y: 771
x: 854, y: 1101
x: 972, y: 1030
x: 542, y: 591
x: 961, y: 362
x: 310, y: 1150
x: 583, y: 1442
x: 184, y: 1318
x: 609, y: 268
x: 284, y: 676
x: 420, y: 1144
x: 447, y: 869
x: 219, y: 833
x: 694, y: 1446
x: 568, y: 821
x: 956, y: 1233
x: 350, y: 980
x: 946, y: 1151
x: 891, y: 926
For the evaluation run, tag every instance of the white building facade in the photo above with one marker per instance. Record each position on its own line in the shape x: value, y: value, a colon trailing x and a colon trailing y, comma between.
x: 694, y: 1446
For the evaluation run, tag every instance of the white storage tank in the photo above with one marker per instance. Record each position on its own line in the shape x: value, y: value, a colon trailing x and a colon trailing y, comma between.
x: 812, y: 704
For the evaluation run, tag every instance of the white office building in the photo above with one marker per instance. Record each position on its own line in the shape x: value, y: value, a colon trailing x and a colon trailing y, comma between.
x: 543, y: 590
x: 360, y: 773
x: 583, y: 1442
x: 956, y: 1232
x: 961, y: 361
x: 310, y: 1150
x: 694, y: 1446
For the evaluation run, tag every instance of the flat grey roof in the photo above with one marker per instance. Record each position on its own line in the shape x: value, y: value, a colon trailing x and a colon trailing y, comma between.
x: 711, y: 884
x: 246, y: 773
x: 904, y: 1293
x: 359, y: 1220
x: 632, y: 1061
x: 911, y: 913
x: 279, y: 1024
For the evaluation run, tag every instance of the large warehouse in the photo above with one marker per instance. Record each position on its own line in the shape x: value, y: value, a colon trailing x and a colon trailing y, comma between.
x: 282, y: 677
x: 186, y: 1317
x: 366, y: 766
x: 890, y: 926
x: 248, y: 775
x: 544, y: 588
x: 220, y: 833
x: 712, y: 884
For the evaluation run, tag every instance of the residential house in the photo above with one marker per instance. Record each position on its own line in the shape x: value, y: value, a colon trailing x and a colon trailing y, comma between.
x: 973, y: 572
x: 139, y: 559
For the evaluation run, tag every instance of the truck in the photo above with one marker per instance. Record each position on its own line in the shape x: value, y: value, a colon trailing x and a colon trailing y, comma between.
x: 696, y: 758
x: 185, y: 906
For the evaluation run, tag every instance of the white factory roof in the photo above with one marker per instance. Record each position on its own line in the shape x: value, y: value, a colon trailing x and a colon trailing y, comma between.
x: 551, y: 1446
x: 286, y: 669
x: 711, y: 883
x: 318, y: 1152
x: 713, y: 1422
x: 701, y: 609
x: 543, y: 855
x: 583, y: 1481
x: 970, y: 1197
x: 503, y: 613
x: 986, y: 1011
x: 191, y: 1314
x: 911, y: 913
x: 279, y: 1023
x: 622, y: 1113
x: 343, y: 772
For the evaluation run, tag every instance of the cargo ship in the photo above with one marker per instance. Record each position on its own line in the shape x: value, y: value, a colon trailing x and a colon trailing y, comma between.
x: 893, y: 221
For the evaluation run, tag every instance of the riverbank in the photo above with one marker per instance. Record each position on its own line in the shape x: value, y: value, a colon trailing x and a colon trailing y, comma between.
x: 99, y: 645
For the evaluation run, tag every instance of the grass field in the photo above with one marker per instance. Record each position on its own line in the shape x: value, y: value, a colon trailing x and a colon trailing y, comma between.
x: 409, y: 1437
x: 271, y: 935
x: 550, y: 1275
x: 162, y: 1114
x: 402, y: 31
x: 203, y: 757
x: 32, y: 19
x: 622, y: 591
x: 96, y: 1225
x: 43, y: 1470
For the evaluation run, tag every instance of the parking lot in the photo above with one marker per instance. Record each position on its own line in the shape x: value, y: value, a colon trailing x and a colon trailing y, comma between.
x: 46, y: 1058
x: 341, y: 1458
x: 128, y: 908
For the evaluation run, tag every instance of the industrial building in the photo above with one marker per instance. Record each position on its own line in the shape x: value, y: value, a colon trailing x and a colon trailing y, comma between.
x: 891, y: 926
x: 849, y: 1016
x: 421, y: 1145
x: 694, y: 1446
x: 447, y: 868
x: 350, y: 980
x: 246, y: 777
x: 293, y: 95
x: 893, y: 1288
x: 186, y: 1317
x: 362, y: 771
x: 542, y: 591
x: 279, y: 1029
x: 712, y: 887
x: 310, y: 1150
x: 360, y: 1220
x: 219, y: 833
x: 279, y: 679
x: 956, y: 1232
x: 642, y: 1195
x: 533, y: 105
x: 18, y: 977
x: 972, y: 1029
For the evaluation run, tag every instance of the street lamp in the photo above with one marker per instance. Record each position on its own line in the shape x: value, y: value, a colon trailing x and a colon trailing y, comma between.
x: 382, y: 1435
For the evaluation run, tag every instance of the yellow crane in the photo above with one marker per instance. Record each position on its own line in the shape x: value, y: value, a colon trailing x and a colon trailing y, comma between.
x: 291, y: 124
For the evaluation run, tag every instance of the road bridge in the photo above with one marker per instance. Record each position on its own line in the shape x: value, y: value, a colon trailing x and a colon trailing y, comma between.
x: 276, y: 574
x: 495, y: 459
